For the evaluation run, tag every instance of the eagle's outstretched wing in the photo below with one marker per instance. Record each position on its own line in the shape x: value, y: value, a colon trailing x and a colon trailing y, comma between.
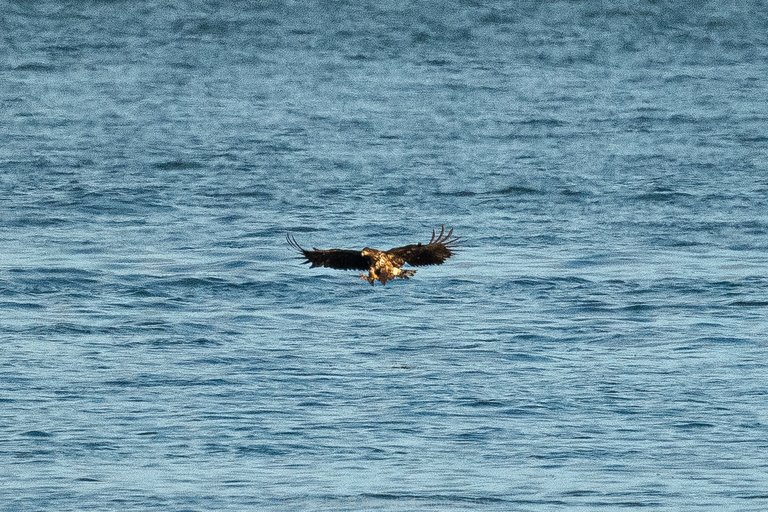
x: 439, y: 248
x: 343, y: 259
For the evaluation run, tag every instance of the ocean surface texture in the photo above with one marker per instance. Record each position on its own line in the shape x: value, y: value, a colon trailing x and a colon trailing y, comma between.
x: 599, y: 343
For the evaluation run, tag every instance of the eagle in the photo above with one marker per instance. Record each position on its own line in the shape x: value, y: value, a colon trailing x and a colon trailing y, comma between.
x: 383, y: 265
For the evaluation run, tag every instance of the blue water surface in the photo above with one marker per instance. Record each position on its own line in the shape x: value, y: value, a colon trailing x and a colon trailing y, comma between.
x: 599, y: 342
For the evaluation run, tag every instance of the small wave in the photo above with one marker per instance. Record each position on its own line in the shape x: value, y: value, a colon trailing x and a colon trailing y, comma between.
x: 637, y: 307
x: 570, y: 192
x: 70, y: 328
x: 683, y: 77
x: 87, y: 479
x: 753, y: 139
x: 498, y: 17
x: 252, y: 193
x: 35, y: 66
x: 663, y: 195
x: 528, y: 357
x: 750, y: 303
x: 63, y: 49
x: 485, y: 402
x: 20, y: 305
x: 674, y: 242
x: 549, y: 281
x: 516, y: 190
x: 437, y: 62
x: 204, y: 27
x: 261, y: 449
x: 275, y: 148
x: 36, y: 221
x: 458, y: 193
x: 178, y: 165
x: 36, y: 433
x: 589, y: 261
x: 721, y: 340
x: 692, y: 425
x: 184, y: 341
x: 546, y: 122
x: 448, y: 498
x: 512, y: 190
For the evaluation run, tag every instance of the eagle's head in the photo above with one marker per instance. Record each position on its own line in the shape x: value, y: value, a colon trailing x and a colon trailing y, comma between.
x: 367, y: 251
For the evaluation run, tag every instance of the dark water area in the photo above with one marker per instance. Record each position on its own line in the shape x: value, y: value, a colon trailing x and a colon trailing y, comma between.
x: 599, y: 342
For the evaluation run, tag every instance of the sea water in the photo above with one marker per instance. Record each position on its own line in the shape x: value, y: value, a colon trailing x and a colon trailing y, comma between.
x: 598, y: 343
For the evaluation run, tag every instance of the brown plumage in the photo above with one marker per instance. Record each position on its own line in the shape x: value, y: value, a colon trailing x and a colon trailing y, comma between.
x: 383, y: 265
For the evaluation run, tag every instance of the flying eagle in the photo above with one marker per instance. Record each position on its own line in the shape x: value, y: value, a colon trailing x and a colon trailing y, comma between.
x: 383, y: 265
